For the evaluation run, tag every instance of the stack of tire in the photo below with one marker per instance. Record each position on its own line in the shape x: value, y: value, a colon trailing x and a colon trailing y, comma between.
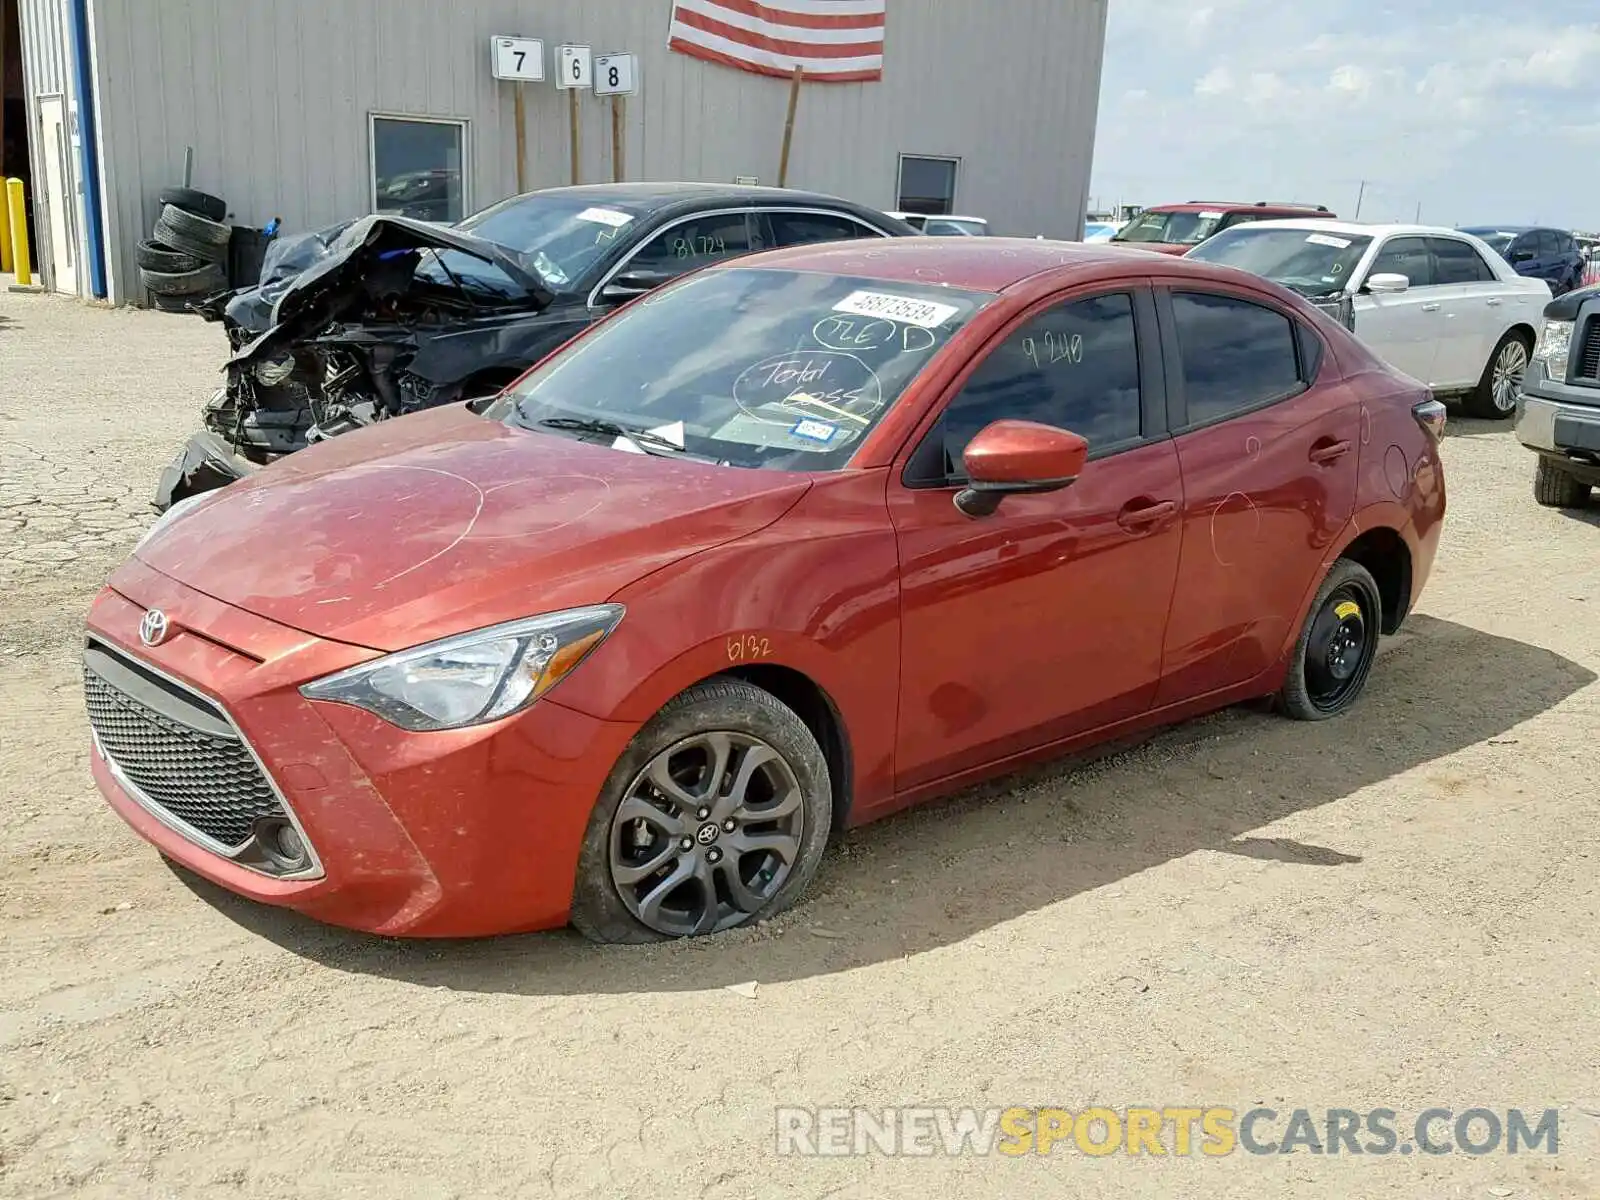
x: 186, y: 258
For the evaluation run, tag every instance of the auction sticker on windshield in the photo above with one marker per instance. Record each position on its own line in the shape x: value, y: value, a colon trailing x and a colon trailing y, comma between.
x: 605, y: 216
x: 907, y: 309
x: 1327, y: 239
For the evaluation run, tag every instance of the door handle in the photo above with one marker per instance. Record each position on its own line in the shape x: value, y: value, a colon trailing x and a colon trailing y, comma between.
x: 1326, y: 452
x: 1434, y: 307
x: 1137, y: 516
x: 1493, y: 301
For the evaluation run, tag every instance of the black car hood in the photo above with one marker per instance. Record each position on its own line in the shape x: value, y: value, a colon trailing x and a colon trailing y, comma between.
x: 338, y: 265
x: 1565, y: 308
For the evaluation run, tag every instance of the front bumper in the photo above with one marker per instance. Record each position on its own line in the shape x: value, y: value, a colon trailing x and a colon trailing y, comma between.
x: 454, y: 834
x: 1559, y: 418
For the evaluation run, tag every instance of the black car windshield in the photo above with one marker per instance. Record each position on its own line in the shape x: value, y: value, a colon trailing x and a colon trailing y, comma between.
x: 558, y: 237
x: 785, y: 370
x: 1499, y: 240
x: 1312, y: 262
x: 1180, y: 228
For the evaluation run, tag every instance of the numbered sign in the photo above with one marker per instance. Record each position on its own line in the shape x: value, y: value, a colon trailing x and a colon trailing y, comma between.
x: 517, y: 58
x: 616, y: 75
x: 574, y: 67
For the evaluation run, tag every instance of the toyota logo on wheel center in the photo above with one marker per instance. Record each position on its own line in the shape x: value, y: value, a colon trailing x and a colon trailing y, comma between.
x: 153, y: 628
x: 707, y: 833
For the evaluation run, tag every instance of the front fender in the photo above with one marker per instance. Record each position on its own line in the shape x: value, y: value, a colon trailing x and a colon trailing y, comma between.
x: 817, y: 592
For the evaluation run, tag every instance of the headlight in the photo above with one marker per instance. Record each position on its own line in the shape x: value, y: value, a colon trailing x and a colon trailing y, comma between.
x: 275, y: 370
x: 474, y: 677
x: 1555, y: 345
x: 175, y: 510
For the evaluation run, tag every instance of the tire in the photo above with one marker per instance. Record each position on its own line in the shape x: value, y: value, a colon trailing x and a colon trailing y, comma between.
x: 153, y: 256
x: 201, y: 229
x: 1554, y: 487
x: 171, y: 304
x: 1490, y: 400
x: 168, y: 234
x: 201, y: 204
x: 1323, y: 681
x: 730, y: 710
x: 207, y: 280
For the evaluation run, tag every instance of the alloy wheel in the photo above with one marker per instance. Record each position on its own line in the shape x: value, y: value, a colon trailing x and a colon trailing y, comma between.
x: 1509, y: 366
x: 1340, y: 650
x: 706, y: 834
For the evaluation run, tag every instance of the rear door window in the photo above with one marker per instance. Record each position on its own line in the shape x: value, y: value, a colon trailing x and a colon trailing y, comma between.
x: 795, y: 229
x: 1457, y: 262
x: 1237, y: 355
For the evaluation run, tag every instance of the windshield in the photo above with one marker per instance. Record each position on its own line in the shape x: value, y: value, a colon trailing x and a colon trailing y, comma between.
x: 559, y: 237
x: 1310, y: 262
x: 1498, y: 240
x: 750, y: 368
x: 1175, y: 228
x: 955, y: 227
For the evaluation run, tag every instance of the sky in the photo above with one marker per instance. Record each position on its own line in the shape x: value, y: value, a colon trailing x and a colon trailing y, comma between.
x: 1480, y: 112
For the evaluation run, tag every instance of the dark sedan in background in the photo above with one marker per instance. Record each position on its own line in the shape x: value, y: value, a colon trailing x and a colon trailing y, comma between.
x: 388, y: 315
x: 1548, y: 254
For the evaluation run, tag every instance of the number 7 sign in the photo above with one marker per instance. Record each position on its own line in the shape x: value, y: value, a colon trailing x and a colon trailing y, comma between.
x: 516, y: 58
x: 616, y: 75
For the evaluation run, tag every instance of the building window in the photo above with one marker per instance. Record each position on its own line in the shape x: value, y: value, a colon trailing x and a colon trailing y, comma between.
x: 927, y: 185
x: 418, y: 169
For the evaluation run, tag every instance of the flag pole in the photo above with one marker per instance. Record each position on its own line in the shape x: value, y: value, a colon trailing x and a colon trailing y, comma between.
x: 788, y: 126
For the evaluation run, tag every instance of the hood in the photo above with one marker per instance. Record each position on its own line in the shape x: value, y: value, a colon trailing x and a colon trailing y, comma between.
x: 305, y: 300
x: 444, y: 522
x: 1565, y: 307
x: 1158, y: 247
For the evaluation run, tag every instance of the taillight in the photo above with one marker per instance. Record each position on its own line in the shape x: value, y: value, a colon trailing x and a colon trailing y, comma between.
x: 1430, y: 414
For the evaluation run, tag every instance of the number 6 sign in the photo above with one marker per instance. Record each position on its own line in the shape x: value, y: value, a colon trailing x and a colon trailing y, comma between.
x: 576, y: 67
x: 615, y: 75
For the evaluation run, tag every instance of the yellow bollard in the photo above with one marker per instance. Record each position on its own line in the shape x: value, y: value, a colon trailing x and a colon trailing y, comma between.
x: 5, y: 234
x: 19, y: 232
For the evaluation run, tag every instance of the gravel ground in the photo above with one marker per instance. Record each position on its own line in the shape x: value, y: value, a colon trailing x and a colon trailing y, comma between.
x: 1396, y: 909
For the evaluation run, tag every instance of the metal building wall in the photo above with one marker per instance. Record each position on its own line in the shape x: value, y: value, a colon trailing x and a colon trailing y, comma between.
x: 46, y: 71
x: 275, y: 99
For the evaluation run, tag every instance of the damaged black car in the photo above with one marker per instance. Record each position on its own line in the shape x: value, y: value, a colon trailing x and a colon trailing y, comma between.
x: 387, y: 315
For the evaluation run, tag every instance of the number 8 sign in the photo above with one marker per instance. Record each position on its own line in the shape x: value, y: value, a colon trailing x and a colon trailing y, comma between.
x: 615, y: 75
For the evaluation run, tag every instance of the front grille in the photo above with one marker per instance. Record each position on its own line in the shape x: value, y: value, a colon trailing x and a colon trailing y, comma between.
x: 178, y: 749
x: 1589, y: 351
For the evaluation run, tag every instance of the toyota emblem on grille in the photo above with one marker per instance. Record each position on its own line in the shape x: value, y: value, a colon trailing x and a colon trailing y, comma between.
x: 153, y: 629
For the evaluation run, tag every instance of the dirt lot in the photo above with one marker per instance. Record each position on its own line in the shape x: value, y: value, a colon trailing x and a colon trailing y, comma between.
x: 1396, y: 910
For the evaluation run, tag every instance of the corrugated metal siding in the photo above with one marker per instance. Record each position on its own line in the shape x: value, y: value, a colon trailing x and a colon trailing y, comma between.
x: 275, y: 99
x: 46, y: 71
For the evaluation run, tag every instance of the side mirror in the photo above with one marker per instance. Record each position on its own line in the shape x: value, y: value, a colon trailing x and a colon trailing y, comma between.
x: 1388, y: 284
x: 1521, y: 256
x: 626, y: 286
x: 1011, y: 458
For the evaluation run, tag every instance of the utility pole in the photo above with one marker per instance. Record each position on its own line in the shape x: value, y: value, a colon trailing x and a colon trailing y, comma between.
x: 1418, y: 220
x: 1361, y: 195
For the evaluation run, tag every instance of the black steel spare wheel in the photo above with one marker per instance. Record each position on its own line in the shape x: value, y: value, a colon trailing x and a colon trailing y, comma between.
x: 716, y: 814
x: 1335, y: 651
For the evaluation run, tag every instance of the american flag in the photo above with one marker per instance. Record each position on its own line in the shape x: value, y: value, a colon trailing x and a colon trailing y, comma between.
x: 831, y: 41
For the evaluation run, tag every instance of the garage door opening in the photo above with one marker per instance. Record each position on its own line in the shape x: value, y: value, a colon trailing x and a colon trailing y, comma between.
x: 14, y: 140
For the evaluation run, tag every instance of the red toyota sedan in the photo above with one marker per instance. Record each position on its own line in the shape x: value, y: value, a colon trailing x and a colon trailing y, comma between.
x: 784, y: 547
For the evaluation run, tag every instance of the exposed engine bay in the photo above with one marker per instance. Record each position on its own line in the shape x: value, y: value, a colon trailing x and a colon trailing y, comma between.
x: 357, y: 324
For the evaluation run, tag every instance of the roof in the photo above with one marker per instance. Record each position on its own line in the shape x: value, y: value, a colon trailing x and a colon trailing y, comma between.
x: 979, y: 264
x: 1353, y: 228
x: 1479, y: 230
x: 1232, y: 206
x: 656, y: 195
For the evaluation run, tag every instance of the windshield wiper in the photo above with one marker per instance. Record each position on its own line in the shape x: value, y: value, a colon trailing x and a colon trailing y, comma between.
x: 650, y: 443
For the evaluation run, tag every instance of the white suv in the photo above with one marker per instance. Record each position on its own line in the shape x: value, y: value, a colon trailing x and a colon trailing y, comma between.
x: 1438, y: 304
